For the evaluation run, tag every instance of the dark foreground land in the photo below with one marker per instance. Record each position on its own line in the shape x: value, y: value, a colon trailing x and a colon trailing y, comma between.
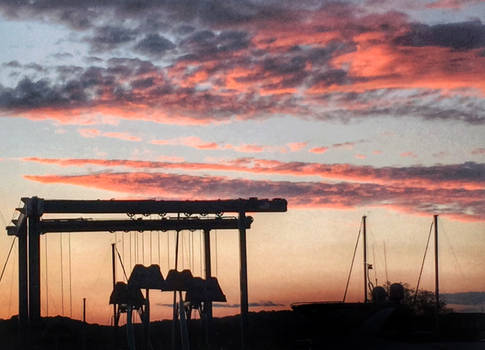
x: 267, y: 330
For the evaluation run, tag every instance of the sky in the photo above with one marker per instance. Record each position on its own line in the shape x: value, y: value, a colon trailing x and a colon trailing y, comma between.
x: 344, y: 108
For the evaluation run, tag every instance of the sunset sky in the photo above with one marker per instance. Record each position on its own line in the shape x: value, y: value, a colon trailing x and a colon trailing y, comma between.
x: 344, y: 108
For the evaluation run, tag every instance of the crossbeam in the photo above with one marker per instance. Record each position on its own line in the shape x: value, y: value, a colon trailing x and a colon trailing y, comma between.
x: 85, y: 225
x: 251, y: 205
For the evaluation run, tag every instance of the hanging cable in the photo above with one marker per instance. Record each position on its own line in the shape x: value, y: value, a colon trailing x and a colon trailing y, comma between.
x: 143, y: 247
x: 177, y: 245
x: 192, y: 249
x: 188, y: 249
x: 182, y: 248
x: 352, y: 264
x: 422, y: 264
x: 129, y: 247
x: 135, y: 241
x: 62, y: 275
x: 168, y: 251
x: 200, y: 251
x: 46, y: 279
x: 70, y: 275
x: 151, y: 234
x: 123, y: 245
x: 215, y: 246
x: 6, y: 260
x: 158, y: 245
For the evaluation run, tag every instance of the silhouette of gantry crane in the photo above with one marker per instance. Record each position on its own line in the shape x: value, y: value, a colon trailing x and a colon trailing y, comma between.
x: 30, y: 225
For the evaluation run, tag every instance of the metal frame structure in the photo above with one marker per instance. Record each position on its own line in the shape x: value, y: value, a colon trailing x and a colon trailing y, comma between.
x: 30, y: 225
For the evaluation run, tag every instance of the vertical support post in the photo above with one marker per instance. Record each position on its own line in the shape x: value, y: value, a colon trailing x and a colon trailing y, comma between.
x: 34, y: 260
x: 23, y: 277
x: 243, y: 279
x: 113, y: 267
x: 208, y: 269
x: 366, y: 270
x: 147, y: 319
x: 84, y: 310
x: 115, y: 318
x: 436, y: 266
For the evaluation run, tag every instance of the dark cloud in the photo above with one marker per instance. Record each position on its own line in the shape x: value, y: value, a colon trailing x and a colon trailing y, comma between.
x: 206, y: 45
x: 30, y: 94
x: 460, y: 36
x: 467, y: 298
x: 12, y: 64
x: 31, y: 66
x: 254, y: 304
x: 110, y: 37
x: 421, y: 104
x: 330, y: 77
x: 62, y: 55
x: 68, y: 71
x: 235, y: 306
x: 154, y: 45
x: 184, y: 29
x: 143, y: 83
x: 85, y: 14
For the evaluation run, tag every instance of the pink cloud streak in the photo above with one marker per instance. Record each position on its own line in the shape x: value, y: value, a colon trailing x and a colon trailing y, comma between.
x: 467, y: 175
x: 460, y: 204
x: 91, y: 133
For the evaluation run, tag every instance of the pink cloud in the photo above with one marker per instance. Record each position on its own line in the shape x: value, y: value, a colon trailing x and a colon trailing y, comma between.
x: 360, y: 156
x: 408, y: 155
x: 196, y: 142
x: 248, y: 148
x: 357, y: 54
x: 91, y: 133
x: 478, y: 151
x: 319, y: 150
x: 296, y: 146
x: 122, y: 136
x: 453, y: 4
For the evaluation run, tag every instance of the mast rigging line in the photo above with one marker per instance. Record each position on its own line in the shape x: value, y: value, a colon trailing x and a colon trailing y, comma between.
x: 158, y: 247
x: 8, y: 257
x: 422, y: 264
x: 70, y: 276
x: 121, y: 262
x: 457, y: 263
x: 46, y: 278
x: 62, y: 275
x: 216, y: 253
x: 352, y: 264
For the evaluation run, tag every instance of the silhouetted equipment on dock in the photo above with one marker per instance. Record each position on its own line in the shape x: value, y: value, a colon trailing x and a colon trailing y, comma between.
x: 178, y: 280
x: 30, y: 225
x: 204, y: 290
x: 143, y: 277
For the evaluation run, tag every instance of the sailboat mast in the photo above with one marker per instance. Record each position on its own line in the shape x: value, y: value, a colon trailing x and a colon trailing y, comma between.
x: 365, y: 256
x: 436, y: 268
